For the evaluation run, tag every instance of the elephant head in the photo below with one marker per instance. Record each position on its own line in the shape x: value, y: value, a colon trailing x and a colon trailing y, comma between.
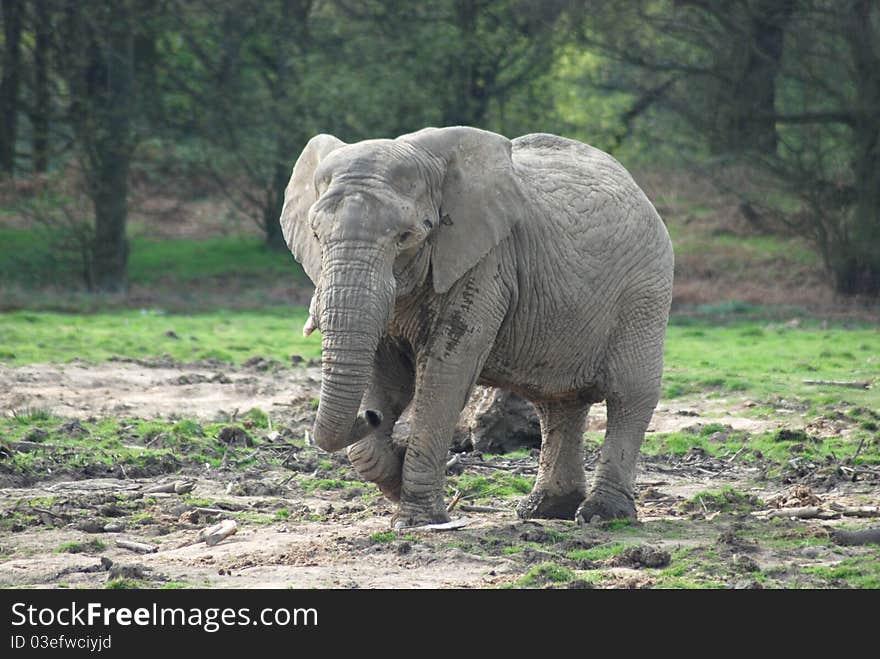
x: 373, y: 221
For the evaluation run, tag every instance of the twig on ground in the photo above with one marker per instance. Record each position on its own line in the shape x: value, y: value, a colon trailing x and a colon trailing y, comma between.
x: 467, y: 508
x: 736, y: 455
x: 455, y: 499
x: 840, y: 383
x: 859, y: 448
x: 139, y: 547
x: 855, y: 511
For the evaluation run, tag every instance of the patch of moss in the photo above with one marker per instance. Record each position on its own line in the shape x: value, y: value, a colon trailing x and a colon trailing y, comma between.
x: 546, y: 574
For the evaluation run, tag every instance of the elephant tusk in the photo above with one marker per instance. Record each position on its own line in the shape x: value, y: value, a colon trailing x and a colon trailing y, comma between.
x: 366, y: 423
x: 310, y: 326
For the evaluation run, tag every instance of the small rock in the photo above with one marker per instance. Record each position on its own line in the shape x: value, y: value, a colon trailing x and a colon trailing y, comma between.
x: 74, y: 429
x: 136, y: 571
x: 642, y: 556
x: 810, y: 552
x: 296, y: 359
x: 106, y: 563
x: 36, y: 435
x: 748, y: 584
x: 403, y: 548
x: 114, y: 527
x: 234, y: 435
x: 744, y: 564
x: 171, y: 334
x: 111, y: 510
x: 90, y: 525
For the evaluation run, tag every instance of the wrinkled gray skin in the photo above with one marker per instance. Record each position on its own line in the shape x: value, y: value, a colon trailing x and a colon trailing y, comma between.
x: 454, y: 256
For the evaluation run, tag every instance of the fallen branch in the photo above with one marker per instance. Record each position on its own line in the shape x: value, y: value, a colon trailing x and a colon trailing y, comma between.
x: 213, y: 535
x: 455, y: 499
x: 856, y: 511
x: 174, y: 487
x: 840, y: 383
x: 863, y: 537
x: 139, y: 547
x: 736, y: 455
x: 467, y: 508
x: 802, y: 512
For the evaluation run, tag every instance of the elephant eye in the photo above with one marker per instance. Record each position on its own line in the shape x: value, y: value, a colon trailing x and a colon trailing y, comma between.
x: 404, y: 237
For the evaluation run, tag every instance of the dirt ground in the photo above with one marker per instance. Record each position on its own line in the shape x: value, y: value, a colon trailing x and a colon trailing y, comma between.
x: 339, y: 538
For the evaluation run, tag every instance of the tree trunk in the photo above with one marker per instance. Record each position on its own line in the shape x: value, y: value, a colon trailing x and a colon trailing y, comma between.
x: 12, y: 24
x: 40, y: 115
x: 109, y: 143
x: 272, y: 207
x: 857, y: 270
x: 745, y: 105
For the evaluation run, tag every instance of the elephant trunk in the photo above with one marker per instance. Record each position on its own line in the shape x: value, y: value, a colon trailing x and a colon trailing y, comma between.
x: 355, y: 308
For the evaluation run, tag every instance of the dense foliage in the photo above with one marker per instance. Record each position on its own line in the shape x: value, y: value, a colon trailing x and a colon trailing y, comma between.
x: 787, y: 91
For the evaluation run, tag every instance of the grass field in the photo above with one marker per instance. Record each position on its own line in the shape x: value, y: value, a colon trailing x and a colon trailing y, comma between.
x: 757, y: 359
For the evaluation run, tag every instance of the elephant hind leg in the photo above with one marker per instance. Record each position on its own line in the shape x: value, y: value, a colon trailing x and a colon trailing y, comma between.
x: 561, y: 483
x: 631, y: 400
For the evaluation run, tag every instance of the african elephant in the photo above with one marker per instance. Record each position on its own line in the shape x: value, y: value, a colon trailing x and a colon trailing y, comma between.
x: 453, y: 256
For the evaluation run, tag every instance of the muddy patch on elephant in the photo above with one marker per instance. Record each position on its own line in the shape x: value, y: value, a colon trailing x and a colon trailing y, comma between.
x: 154, y: 453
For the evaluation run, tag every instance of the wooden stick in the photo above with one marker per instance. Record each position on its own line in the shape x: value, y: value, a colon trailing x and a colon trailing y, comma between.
x: 840, y: 383
x: 735, y: 455
x: 172, y: 487
x: 455, y: 500
x: 467, y: 508
x: 139, y: 547
x: 219, y: 532
x: 856, y: 511
x: 803, y: 512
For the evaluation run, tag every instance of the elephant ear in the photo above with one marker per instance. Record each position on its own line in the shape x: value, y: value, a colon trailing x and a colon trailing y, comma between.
x: 298, y: 199
x: 480, y: 199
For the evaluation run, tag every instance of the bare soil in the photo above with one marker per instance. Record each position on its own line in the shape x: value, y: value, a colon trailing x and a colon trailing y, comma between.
x: 339, y: 537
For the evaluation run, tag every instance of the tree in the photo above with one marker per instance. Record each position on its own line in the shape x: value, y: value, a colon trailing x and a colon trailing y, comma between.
x: 13, y: 18
x: 799, y: 100
x: 243, y: 71
x: 99, y: 69
x: 41, y: 107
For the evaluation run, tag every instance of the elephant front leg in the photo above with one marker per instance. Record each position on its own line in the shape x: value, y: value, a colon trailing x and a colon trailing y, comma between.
x: 434, y: 415
x: 447, y: 371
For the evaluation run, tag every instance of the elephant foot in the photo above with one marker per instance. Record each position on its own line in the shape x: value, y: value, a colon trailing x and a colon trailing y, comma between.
x: 390, y: 488
x: 602, y: 505
x: 377, y: 460
x: 542, y: 504
x: 410, y: 513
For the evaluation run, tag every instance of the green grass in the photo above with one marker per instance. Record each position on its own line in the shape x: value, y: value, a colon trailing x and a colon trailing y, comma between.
x: 383, y: 536
x: 544, y: 575
x: 855, y: 572
x: 233, y: 337
x: 599, y: 552
x: 155, y: 447
x: 766, y: 361
x: 124, y: 584
x: 27, y: 259
x: 726, y: 499
x: 85, y: 547
x: 496, y: 484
